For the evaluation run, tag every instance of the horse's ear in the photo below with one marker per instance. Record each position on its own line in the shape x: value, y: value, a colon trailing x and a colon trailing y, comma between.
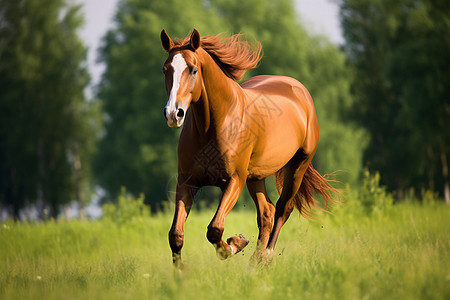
x: 195, y: 39
x: 166, y: 41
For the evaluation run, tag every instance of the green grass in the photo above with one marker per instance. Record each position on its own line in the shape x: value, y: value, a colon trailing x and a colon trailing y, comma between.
x: 403, y: 253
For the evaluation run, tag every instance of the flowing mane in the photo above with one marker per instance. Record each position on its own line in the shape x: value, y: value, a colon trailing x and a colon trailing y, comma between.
x: 233, y: 55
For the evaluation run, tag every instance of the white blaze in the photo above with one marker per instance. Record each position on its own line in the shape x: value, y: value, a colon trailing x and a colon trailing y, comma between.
x: 179, y: 65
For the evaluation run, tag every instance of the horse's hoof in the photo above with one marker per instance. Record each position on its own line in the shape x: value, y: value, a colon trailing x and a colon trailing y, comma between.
x: 237, y: 243
x: 178, y: 263
x: 262, y: 257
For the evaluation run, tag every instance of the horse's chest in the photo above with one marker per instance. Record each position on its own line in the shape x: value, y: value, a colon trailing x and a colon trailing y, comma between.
x: 213, y: 162
x: 208, y: 165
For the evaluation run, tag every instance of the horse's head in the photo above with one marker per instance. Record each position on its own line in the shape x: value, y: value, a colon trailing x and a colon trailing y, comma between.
x: 183, y: 77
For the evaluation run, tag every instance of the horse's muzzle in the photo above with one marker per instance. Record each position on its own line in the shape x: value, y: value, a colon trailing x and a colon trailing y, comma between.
x: 175, y: 118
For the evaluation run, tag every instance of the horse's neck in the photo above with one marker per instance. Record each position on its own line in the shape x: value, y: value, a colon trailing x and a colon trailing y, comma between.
x: 220, y: 96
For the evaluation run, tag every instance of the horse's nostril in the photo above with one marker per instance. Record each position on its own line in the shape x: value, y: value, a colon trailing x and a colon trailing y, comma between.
x: 180, y: 113
x: 165, y: 112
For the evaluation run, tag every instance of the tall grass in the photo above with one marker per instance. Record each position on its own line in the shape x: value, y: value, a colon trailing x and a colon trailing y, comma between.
x: 399, y: 252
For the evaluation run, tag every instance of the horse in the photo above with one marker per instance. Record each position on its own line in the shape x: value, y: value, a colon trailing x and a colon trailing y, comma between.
x: 235, y: 135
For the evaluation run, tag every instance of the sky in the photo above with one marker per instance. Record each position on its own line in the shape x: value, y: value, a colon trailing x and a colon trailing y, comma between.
x: 319, y: 17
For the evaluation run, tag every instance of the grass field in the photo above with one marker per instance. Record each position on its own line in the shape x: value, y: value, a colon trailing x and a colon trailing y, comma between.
x: 401, y: 253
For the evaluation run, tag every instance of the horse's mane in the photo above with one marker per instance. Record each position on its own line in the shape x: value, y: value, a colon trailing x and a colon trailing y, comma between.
x: 233, y: 55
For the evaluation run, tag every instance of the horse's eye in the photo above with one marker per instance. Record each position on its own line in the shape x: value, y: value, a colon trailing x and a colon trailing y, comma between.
x: 194, y: 70
x: 164, y: 70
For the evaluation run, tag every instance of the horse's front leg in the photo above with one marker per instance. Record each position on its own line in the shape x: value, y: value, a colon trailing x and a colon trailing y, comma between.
x: 215, y: 229
x: 183, y: 202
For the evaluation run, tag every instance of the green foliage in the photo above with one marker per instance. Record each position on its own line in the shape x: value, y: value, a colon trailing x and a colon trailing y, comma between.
x: 399, y: 50
x: 46, y: 140
x: 126, y: 209
x: 289, y: 50
x: 405, y: 255
x: 138, y: 142
x: 368, y: 201
x: 373, y: 197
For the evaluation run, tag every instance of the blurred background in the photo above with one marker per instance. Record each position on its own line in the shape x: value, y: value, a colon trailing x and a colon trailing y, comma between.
x: 82, y: 94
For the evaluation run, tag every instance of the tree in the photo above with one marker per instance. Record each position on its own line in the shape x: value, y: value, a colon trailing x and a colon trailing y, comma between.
x: 290, y: 50
x: 139, y: 150
x: 400, y: 52
x: 42, y: 108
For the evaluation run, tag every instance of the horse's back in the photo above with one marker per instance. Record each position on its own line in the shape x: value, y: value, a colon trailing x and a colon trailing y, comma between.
x: 282, y: 86
x: 284, y: 94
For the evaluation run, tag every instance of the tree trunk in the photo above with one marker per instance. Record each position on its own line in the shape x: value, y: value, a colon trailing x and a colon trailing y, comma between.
x: 67, y: 212
x: 16, y: 212
x: 12, y: 195
x: 79, y: 186
x: 444, y: 163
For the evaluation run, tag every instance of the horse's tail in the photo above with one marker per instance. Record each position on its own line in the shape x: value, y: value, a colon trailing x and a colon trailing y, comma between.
x: 312, y: 182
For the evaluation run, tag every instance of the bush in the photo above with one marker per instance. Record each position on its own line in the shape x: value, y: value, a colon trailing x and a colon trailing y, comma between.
x: 373, y: 197
x: 369, y: 200
x: 126, y: 209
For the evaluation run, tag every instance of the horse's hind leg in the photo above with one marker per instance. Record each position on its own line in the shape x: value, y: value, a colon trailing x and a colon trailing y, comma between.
x: 216, y: 227
x: 265, y: 213
x: 293, y: 176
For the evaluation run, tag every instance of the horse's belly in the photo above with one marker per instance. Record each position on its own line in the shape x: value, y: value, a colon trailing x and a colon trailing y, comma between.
x: 263, y: 167
x: 277, y: 142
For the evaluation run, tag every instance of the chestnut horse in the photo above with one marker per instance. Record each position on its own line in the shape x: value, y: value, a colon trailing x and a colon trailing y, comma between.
x: 238, y: 134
